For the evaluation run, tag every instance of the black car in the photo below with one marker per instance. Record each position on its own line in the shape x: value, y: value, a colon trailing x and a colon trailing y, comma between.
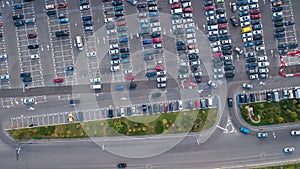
x: 278, y: 30
x: 226, y: 47
x: 155, y: 35
x: 152, y: 3
x: 230, y: 102
x: 258, y: 42
x: 144, y: 108
x: 228, y: 63
x: 227, y: 68
x: 269, y: 96
x: 181, y: 48
x: 220, y: 11
x: 277, y: 9
x: 278, y: 24
x: 279, y: 35
x: 277, y: 19
x: 193, y: 56
x: 288, y: 23
x: 178, y: 31
x: 222, y: 20
x: 123, y: 50
x: 226, y: 52
x: 15, y: 17
x: 19, y: 23
x: 179, y: 43
x: 27, y: 79
x: 293, y: 45
x: 119, y: 13
x: 51, y: 13
x: 75, y: 101
x: 257, y: 37
x: 250, y: 60
x: 212, y: 22
x: 224, y: 37
x: 282, y: 46
x: 34, y: 46
x: 110, y: 113
x: 26, y: 74
x: 61, y: 33
x: 229, y: 75
x: 208, y: 3
x: 88, y: 23
x: 234, y: 21
x: 213, y: 38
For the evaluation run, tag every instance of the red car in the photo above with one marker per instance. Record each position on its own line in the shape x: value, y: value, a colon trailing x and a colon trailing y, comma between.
x: 277, y: 4
x: 254, y: 11
x: 223, y: 26
x: 175, y: 6
x: 159, y: 68
x: 218, y: 54
x: 121, y: 23
x: 256, y: 16
x: 0, y: 24
x: 31, y: 35
x: 130, y: 77
x: 208, y: 8
x: 192, y: 47
x: 157, y: 40
x: 61, y: 5
x: 58, y: 80
x: 188, y: 10
x: 166, y: 106
x: 197, y: 104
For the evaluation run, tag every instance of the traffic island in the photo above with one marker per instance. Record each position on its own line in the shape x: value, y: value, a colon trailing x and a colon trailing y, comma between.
x: 166, y: 123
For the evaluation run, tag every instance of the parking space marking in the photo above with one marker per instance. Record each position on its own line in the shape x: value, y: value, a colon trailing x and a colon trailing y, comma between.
x: 62, y: 47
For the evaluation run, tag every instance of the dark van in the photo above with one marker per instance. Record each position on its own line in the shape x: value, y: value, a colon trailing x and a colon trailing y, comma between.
x: 74, y: 101
x: 87, y: 18
x: 61, y: 33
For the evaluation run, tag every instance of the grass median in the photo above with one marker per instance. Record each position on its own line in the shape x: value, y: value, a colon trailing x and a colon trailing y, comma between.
x: 175, y: 122
x: 285, y: 166
x: 268, y: 113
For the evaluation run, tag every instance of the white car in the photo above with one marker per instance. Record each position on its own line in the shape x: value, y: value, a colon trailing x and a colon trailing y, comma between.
x: 248, y: 39
x: 263, y: 70
x: 183, y: 76
x: 252, y: 1
x: 213, y: 33
x: 122, y: 112
x: 180, y: 105
x: 212, y: 17
x: 224, y: 42
x: 228, y: 57
x: 157, y: 46
x: 259, y: 48
x: 95, y: 80
x: 254, y: 6
x: 195, y: 62
x: 189, y: 25
x: 109, y: 20
x: 188, y: 20
x: 221, y: 16
x: 152, y: 8
x: 84, y: 7
x: 115, y: 62
x: 176, y: 22
x: 238, y: 50
x: 34, y: 57
x: 115, y: 51
x: 110, y: 32
x: 187, y: 15
x: 3, y: 57
x: 161, y: 79
x: 262, y: 58
x: 288, y: 149
x: 208, y: 13
x: 212, y: 84
x: 156, y: 24
x: 243, y: 8
x: 215, y: 44
x: 114, y: 68
x: 245, y: 24
x: 143, y: 21
x: 28, y: 101
x: 254, y: 76
x: 4, y: 77
x: 257, y: 32
x: 173, y: 1
x: 114, y: 46
x: 126, y: 72
x: 295, y: 132
x: 275, y: 14
x: 191, y: 41
x: 161, y: 85
x: 178, y: 26
x: 216, y: 49
x: 249, y: 34
x: 161, y: 73
x: 50, y: 6
x: 244, y: 18
x: 91, y: 54
x: 191, y: 36
x: 156, y: 29
x: 186, y: 4
x: 263, y: 64
x: 223, y: 31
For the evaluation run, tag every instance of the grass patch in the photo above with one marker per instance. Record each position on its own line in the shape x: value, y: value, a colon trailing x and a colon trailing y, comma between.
x: 286, y: 166
x: 284, y: 111
x: 175, y: 122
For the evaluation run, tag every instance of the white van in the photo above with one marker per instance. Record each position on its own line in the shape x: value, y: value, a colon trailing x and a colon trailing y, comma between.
x: 212, y: 27
x: 297, y: 92
x: 276, y: 96
x: 79, y: 43
x: 95, y: 87
x: 209, y: 102
x: 190, y: 35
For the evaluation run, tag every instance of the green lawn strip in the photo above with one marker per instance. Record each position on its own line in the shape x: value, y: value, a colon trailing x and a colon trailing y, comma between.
x: 286, y: 166
x: 188, y: 121
x: 284, y: 111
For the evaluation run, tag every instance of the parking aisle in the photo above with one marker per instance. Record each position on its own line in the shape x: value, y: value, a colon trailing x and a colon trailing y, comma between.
x: 28, y: 43
x: 89, y: 39
x: 61, y: 42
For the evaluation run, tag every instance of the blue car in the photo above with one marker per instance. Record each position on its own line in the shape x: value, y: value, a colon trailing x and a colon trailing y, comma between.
x: 243, y: 13
x: 150, y: 74
x: 171, y: 107
x: 27, y: 79
x: 17, y: 6
x: 119, y: 87
x: 87, y: 18
x: 147, y: 41
x: 248, y: 44
x: 258, y: 42
x: 241, y: 3
x: 244, y: 130
x: 123, y: 40
x: 124, y: 55
x: 257, y: 27
x: 249, y: 65
x: 152, y: 14
x: 69, y: 68
x: 63, y: 20
x: 255, y: 22
x: 27, y: 74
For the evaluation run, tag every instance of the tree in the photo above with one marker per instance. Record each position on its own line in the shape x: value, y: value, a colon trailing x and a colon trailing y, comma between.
x: 293, y: 115
x: 280, y: 119
x: 271, y: 120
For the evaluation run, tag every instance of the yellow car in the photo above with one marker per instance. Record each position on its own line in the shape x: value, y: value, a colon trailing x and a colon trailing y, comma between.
x: 247, y: 29
x: 71, y: 118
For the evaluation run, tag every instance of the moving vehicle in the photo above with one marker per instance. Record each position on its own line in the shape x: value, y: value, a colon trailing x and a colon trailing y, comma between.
x: 244, y: 130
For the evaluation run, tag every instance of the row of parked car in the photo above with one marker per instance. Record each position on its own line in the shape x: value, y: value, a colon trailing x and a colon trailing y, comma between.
x: 185, y: 39
x: 281, y: 26
x: 218, y: 35
x: 252, y: 34
x: 202, y: 103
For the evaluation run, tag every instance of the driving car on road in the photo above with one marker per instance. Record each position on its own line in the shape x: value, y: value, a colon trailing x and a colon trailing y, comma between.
x: 262, y: 135
x: 295, y: 132
x: 288, y: 149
